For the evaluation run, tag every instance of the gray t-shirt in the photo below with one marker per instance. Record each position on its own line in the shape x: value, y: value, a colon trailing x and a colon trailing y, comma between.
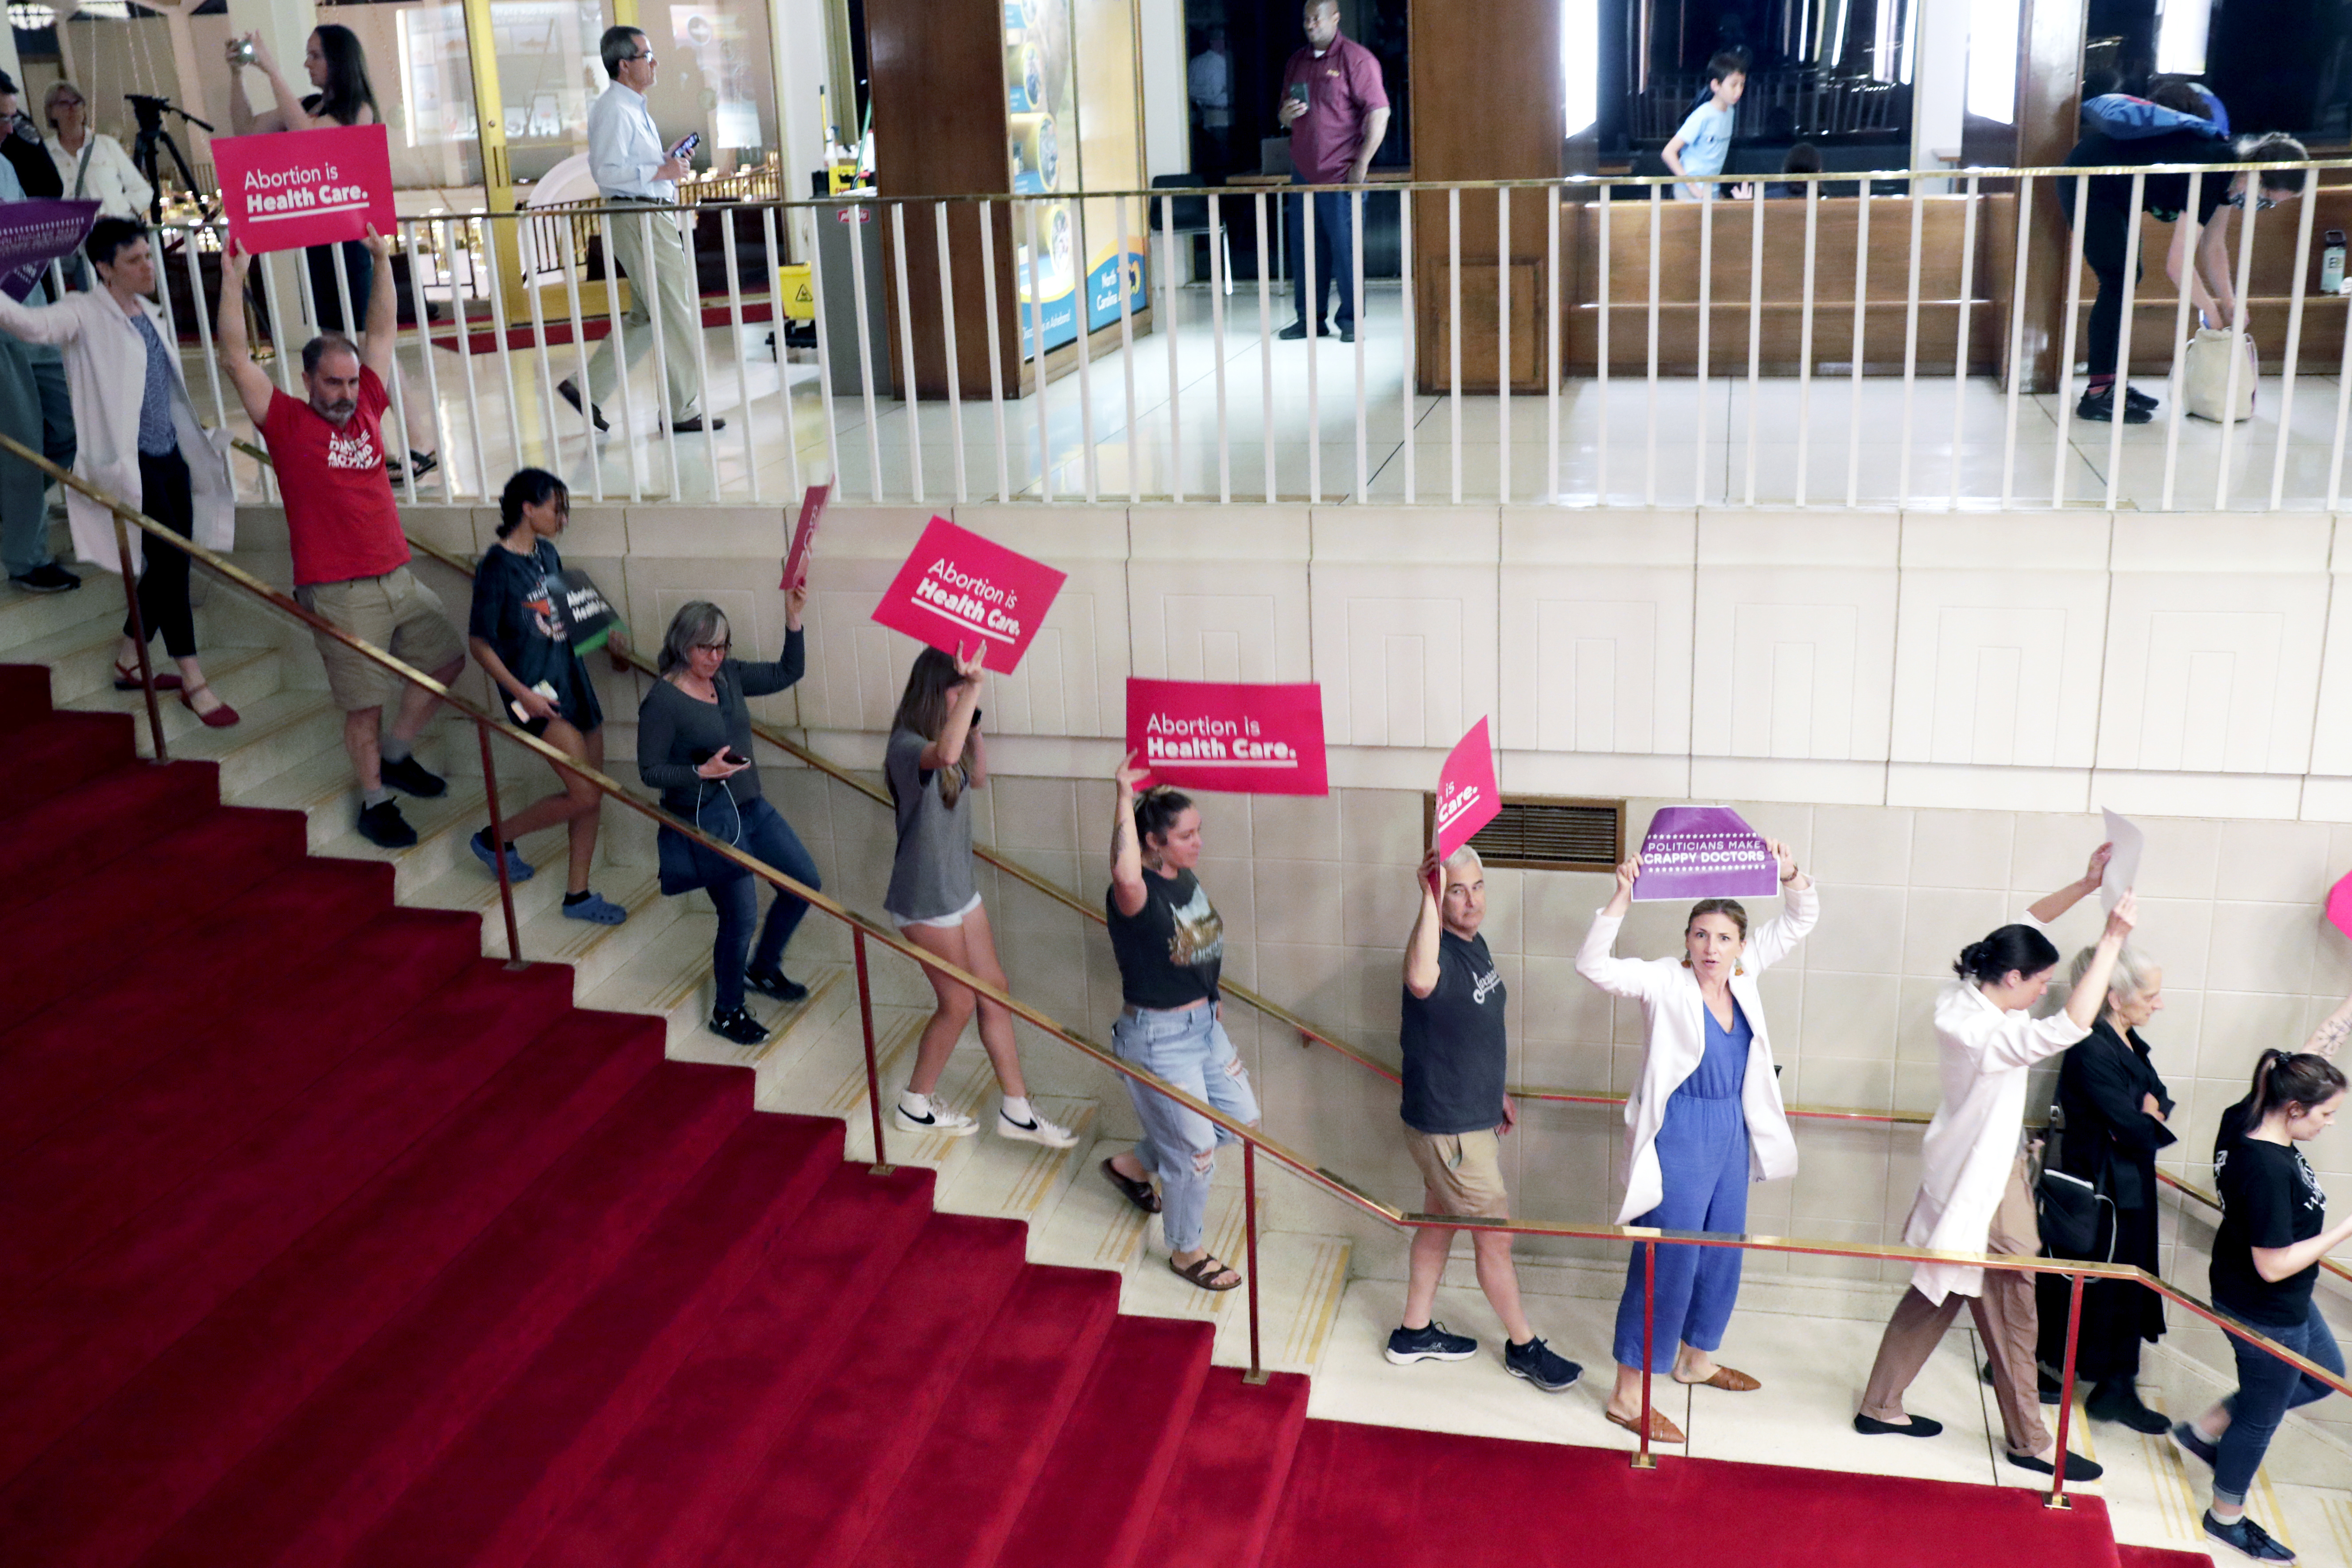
x: 930, y: 876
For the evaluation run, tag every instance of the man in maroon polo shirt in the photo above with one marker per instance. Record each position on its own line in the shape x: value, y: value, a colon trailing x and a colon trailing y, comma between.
x: 1338, y: 111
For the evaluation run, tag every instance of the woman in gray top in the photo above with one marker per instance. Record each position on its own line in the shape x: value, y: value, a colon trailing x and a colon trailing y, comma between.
x: 935, y: 760
x: 693, y: 744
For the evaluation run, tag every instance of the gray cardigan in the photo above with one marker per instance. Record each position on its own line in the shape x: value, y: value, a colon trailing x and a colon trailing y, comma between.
x: 672, y: 727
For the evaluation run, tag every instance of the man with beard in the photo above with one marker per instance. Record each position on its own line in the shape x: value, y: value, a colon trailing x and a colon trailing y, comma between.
x: 350, y: 558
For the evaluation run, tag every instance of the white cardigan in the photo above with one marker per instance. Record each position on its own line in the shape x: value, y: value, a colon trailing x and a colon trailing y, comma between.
x: 111, y: 180
x: 106, y: 374
x: 1675, y: 1015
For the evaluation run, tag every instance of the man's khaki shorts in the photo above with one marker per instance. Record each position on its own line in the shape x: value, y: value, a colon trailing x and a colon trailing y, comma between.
x: 396, y: 612
x: 1464, y: 1171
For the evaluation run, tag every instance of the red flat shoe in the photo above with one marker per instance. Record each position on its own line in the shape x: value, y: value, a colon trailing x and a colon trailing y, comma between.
x: 220, y: 718
x: 126, y: 679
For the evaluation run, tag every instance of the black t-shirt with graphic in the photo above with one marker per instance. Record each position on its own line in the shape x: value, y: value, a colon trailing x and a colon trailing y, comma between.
x: 2270, y: 1199
x: 1170, y: 950
x: 1456, y: 1053
x: 512, y: 614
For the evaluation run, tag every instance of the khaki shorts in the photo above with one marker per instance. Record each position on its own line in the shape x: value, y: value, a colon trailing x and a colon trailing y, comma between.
x: 397, y: 614
x: 1464, y: 1171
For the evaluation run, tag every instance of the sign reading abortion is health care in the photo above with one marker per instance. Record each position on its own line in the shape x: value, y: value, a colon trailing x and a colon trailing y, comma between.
x: 958, y: 589
x: 34, y: 234
x: 1468, y: 798
x: 1244, y: 738
x: 291, y: 189
x: 1705, y: 852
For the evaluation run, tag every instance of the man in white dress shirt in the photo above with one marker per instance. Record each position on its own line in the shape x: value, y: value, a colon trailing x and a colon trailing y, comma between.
x: 633, y: 167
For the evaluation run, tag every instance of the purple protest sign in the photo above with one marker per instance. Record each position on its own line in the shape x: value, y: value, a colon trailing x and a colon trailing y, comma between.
x: 1705, y: 852
x: 34, y: 234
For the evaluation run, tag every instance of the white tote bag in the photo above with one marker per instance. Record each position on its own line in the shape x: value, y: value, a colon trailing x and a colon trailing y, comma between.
x: 2205, y: 375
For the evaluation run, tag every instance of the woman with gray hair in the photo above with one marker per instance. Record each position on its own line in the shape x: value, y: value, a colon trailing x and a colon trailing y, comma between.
x: 693, y: 744
x: 2112, y: 1109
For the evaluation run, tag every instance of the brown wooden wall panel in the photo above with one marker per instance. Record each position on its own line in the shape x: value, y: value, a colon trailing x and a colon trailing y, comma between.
x: 1479, y: 305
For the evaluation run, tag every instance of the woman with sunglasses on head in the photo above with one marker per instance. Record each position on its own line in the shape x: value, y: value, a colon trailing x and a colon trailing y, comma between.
x: 935, y: 762
x: 2266, y: 1256
x: 1705, y: 1119
x: 337, y: 68
x: 693, y: 744
x: 1169, y: 942
x: 2198, y: 258
x: 518, y: 641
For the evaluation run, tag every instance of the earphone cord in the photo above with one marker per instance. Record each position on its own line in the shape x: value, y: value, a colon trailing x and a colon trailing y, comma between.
x: 735, y: 840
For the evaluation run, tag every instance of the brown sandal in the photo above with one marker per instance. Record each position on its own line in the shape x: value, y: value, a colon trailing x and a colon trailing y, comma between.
x: 1204, y: 1270
x: 1725, y: 1378
x: 1140, y: 1193
x: 1660, y: 1429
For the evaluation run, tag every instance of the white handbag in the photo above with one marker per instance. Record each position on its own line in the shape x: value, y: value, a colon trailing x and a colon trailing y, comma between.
x: 2205, y: 375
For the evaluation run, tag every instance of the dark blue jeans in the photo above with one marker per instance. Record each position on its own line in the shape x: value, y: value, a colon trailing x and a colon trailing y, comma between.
x: 769, y: 838
x: 2267, y: 1389
x: 1333, y: 265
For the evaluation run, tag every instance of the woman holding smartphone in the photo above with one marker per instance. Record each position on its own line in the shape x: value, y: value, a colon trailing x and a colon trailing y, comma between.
x: 2266, y: 1256
x: 693, y: 744
x: 935, y: 760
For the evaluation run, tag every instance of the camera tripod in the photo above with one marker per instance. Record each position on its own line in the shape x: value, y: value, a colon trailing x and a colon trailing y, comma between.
x: 152, y: 138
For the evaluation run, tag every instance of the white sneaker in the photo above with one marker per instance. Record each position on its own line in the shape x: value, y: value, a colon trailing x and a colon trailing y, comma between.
x: 1037, y: 1129
x: 942, y: 1121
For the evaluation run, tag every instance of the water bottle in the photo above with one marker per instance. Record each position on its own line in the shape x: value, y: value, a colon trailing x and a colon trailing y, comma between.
x: 2331, y: 263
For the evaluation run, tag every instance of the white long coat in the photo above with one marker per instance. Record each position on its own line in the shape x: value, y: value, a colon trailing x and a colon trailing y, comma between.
x: 1675, y: 1016
x: 106, y: 374
x: 1982, y: 1055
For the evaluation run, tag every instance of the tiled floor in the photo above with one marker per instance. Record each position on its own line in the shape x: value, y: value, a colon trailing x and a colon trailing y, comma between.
x: 1201, y: 436
x: 1812, y: 1346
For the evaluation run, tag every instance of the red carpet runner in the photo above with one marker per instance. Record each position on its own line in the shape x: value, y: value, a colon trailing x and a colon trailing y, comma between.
x: 325, y: 1241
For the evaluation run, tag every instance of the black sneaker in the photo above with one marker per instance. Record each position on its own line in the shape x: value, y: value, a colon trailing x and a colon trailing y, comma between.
x: 49, y: 577
x: 382, y: 826
x: 771, y: 982
x: 1298, y: 329
x: 2100, y: 409
x: 1541, y: 1365
x: 738, y: 1025
x: 2078, y: 1468
x: 2134, y: 398
x: 409, y: 776
x: 1347, y: 334
x: 2248, y: 1538
x: 2195, y: 1444
x: 1430, y: 1344
x: 2119, y: 1401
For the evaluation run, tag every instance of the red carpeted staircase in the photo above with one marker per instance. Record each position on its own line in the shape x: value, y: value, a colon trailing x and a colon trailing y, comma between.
x: 325, y: 1240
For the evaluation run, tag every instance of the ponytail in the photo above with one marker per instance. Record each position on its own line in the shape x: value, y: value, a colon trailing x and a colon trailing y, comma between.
x: 1156, y: 811
x: 2014, y: 947
x: 2291, y: 1078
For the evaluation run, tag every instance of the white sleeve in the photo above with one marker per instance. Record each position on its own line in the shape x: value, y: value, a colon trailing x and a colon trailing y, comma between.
x: 1598, y: 962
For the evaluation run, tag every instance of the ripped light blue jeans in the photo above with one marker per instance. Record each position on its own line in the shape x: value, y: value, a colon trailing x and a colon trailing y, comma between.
x: 1179, y: 1145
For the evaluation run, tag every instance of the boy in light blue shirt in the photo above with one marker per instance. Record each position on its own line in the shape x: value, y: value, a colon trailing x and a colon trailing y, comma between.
x: 1700, y: 146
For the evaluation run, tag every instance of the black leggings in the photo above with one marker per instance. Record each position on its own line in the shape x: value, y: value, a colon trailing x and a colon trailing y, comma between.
x: 2103, y: 235
x: 163, y: 584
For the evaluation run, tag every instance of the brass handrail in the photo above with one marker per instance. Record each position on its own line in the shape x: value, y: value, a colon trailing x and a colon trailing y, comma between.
x: 1252, y: 1138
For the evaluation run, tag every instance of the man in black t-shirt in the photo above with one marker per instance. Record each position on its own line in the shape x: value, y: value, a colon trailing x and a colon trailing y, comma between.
x: 1456, y: 1111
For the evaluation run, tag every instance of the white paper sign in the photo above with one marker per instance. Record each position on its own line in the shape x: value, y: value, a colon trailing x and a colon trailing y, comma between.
x: 2123, y: 864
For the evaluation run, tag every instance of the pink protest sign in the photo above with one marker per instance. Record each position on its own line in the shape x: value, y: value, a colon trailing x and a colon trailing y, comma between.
x: 289, y: 189
x: 1468, y: 798
x: 796, y: 560
x: 958, y: 589
x: 2339, y: 906
x: 1245, y: 738
x: 1705, y: 852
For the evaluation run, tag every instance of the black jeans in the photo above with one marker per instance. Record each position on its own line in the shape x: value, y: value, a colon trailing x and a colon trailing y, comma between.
x: 2104, y: 231
x: 163, y: 581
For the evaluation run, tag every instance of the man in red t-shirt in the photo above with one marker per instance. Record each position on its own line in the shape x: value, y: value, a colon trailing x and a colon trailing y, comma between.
x: 1337, y: 111
x: 351, y: 557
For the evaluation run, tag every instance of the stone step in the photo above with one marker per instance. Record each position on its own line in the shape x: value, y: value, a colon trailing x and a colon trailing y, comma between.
x: 28, y: 618
x: 241, y: 676
x: 277, y: 732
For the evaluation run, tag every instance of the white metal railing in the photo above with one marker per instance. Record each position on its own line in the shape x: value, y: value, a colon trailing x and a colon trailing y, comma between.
x: 1870, y: 349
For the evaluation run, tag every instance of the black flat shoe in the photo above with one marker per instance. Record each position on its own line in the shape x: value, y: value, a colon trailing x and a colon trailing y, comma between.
x: 1918, y: 1427
x: 2125, y: 1409
x: 693, y: 427
x: 570, y: 392
x: 2078, y: 1468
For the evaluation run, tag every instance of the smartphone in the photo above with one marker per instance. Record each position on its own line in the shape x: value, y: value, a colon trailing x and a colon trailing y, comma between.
x: 1297, y: 93
x: 685, y: 148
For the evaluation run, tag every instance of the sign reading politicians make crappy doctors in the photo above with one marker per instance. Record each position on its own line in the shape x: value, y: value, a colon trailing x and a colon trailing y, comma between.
x: 1218, y: 735
x: 958, y: 589
x: 1705, y: 852
x: 293, y: 188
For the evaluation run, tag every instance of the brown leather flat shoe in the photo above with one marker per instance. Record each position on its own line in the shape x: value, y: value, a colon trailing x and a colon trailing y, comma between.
x: 1660, y: 1429
x: 1725, y: 1378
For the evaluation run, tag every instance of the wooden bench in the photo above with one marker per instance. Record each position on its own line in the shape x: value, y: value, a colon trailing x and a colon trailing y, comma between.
x: 2269, y: 291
